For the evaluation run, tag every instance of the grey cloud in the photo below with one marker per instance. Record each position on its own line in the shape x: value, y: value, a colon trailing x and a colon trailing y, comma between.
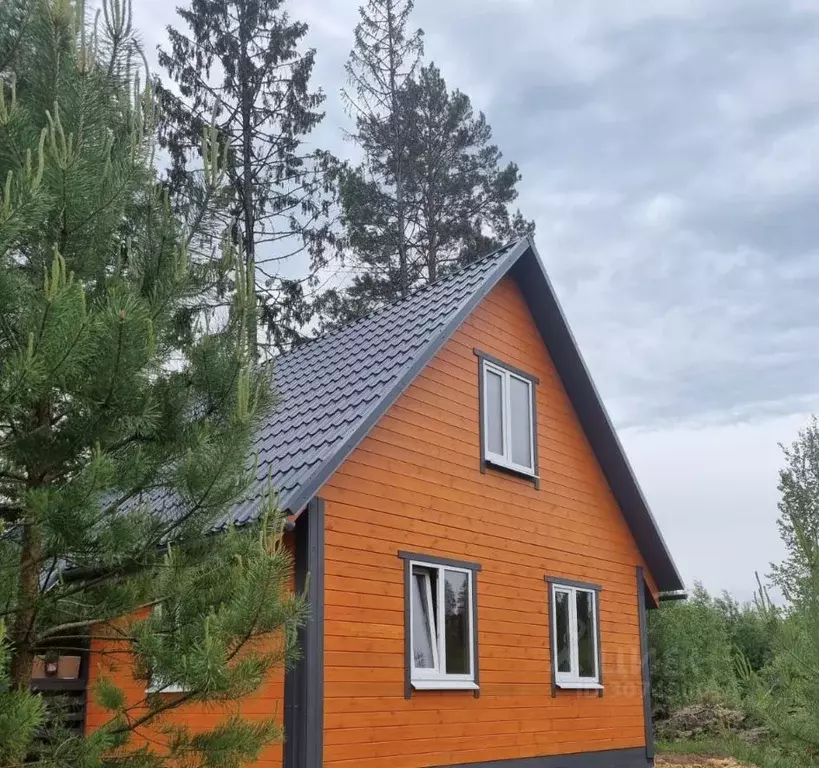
x: 670, y: 156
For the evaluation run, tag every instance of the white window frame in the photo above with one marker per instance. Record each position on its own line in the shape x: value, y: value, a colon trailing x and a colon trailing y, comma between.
x: 436, y: 679
x: 155, y: 685
x: 572, y: 679
x: 505, y: 459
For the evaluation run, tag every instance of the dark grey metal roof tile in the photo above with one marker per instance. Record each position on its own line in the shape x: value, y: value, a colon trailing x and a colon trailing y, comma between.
x: 327, y: 387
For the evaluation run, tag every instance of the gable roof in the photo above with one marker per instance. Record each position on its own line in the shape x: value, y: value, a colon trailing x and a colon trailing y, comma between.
x: 332, y: 390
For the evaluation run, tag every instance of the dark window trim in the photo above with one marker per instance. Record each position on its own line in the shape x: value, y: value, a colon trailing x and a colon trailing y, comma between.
x: 476, y: 666
x: 535, y: 454
x: 407, y: 625
x: 556, y: 581
x: 501, y: 364
x: 573, y: 583
x: 474, y: 568
x: 504, y: 470
x: 552, y: 649
x: 435, y: 560
x: 645, y: 661
x: 534, y: 476
x: 304, y: 684
x: 481, y: 427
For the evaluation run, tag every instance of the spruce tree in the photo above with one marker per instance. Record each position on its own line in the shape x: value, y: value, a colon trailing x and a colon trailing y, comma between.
x: 241, y: 65
x: 383, y: 60
x: 126, y: 416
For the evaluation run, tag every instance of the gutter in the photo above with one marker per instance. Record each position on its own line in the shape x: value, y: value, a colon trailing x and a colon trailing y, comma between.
x: 670, y: 597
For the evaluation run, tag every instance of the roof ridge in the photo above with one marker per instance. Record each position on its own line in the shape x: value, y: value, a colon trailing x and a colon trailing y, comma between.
x: 389, y: 305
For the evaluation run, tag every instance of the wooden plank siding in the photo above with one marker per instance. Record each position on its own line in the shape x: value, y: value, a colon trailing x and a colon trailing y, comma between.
x: 415, y: 484
x: 111, y: 659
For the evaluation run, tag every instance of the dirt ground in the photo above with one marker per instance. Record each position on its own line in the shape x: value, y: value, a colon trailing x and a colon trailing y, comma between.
x: 695, y: 761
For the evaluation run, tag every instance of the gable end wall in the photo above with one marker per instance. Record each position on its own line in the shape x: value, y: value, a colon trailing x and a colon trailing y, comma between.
x: 415, y: 484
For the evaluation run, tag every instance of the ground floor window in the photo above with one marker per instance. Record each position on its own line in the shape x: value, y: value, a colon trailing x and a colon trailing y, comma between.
x: 441, y: 641
x: 169, y: 629
x: 575, y: 635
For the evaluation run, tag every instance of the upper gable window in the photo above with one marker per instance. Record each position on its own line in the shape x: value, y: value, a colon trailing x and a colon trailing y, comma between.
x: 508, y: 415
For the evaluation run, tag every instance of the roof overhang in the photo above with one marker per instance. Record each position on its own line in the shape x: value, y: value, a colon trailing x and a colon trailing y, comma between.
x: 530, y: 275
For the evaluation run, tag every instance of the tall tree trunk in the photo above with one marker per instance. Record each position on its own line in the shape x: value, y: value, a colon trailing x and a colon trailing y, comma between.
x: 398, y: 159
x: 22, y: 654
x: 432, y: 234
x: 248, y: 212
x: 432, y: 260
x: 28, y: 586
x: 403, y: 266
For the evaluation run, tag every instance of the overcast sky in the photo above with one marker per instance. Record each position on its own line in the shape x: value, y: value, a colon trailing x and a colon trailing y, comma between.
x: 670, y: 158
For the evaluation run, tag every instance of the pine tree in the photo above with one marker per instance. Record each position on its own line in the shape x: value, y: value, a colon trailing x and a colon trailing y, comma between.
x: 430, y: 193
x: 460, y: 191
x: 383, y: 60
x: 375, y: 208
x: 12, y: 18
x: 240, y: 64
x: 125, y: 416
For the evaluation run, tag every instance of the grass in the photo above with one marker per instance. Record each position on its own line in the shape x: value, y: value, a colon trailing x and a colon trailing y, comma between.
x: 728, y: 746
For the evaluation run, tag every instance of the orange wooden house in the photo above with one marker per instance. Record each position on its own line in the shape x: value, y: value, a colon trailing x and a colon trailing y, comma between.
x: 481, y: 557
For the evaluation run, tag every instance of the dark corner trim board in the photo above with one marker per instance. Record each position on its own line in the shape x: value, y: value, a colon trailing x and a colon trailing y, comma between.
x: 616, y: 758
x: 304, y: 684
x: 501, y: 364
x: 485, y: 462
x: 645, y: 662
x: 409, y: 558
x: 556, y: 581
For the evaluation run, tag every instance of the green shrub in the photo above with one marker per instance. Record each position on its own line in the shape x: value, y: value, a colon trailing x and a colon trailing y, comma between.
x: 691, y: 652
x: 750, y: 630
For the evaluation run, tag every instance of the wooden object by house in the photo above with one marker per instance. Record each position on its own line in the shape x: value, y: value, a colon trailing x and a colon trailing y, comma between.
x: 480, y: 554
x: 60, y: 674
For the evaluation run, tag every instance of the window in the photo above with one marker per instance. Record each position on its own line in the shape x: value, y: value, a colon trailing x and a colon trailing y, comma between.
x: 156, y: 684
x: 508, y: 414
x: 575, y: 636
x: 441, y: 641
